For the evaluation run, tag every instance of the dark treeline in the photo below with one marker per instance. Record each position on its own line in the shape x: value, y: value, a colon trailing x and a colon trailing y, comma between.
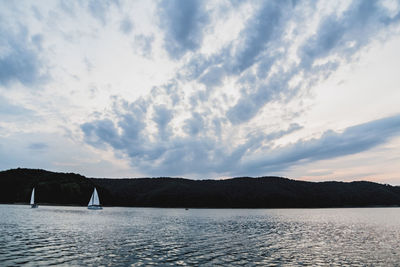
x: 51, y: 187
x: 245, y: 192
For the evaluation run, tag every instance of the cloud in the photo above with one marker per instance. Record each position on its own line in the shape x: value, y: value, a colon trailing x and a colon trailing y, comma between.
x: 101, y: 131
x: 330, y: 145
x: 200, y: 152
x: 213, y: 76
x: 68, y: 7
x: 57, y: 153
x: 339, y: 36
x: 194, y: 125
x: 37, y: 40
x: 19, y: 57
x: 143, y: 44
x: 274, y: 60
x: 261, y: 62
x: 99, y: 9
x: 345, y: 34
x: 126, y: 26
x: 184, y: 23
x: 223, y: 79
x: 251, y: 102
x: 162, y: 117
x: 165, y: 151
x: 10, y: 109
x: 38, y: 146
x: 36, y: 13
x: 264, y: 27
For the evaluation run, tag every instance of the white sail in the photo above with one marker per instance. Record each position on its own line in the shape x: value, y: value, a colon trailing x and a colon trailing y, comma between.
x: 33, y: 197
x: 94, y: 200
x: 91, y: 200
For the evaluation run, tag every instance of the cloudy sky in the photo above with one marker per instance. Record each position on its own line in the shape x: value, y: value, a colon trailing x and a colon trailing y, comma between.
x: 202, y: 89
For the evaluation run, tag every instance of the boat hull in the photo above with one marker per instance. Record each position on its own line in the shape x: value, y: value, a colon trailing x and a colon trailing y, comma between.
x: 94, y: 207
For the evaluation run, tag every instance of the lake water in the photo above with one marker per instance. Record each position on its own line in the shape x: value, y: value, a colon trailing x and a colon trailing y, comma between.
x: 53, y: 235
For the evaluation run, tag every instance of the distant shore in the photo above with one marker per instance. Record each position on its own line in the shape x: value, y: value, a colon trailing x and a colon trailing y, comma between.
x: 186, y: 208
x: 69, y: 189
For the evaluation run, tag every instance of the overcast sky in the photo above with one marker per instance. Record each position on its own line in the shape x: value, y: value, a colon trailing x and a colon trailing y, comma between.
x: 202, y: 89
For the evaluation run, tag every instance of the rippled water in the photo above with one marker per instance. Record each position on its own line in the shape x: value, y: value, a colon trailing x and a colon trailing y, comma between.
x: 53, y: 235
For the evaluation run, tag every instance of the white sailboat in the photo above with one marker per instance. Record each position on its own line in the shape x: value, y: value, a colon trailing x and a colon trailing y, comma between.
x: 94, y: 202
x: 33, y: 204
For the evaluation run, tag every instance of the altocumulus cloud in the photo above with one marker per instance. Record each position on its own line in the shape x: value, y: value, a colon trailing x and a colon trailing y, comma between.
x: 262, y: 61
x: 184, y: 23
x: 337, y: 39
x: 205, y: 155
x: 19, y: 56
x: 274, y: 59
x: 194, y: 151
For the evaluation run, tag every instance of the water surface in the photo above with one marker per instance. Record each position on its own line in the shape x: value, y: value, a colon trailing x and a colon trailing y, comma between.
x: 53, y: 235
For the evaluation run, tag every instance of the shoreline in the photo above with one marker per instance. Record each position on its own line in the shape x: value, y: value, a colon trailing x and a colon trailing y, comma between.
x: 215, y: 208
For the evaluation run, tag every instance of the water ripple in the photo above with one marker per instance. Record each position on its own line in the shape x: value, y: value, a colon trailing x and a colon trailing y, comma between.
x: 175, y: 237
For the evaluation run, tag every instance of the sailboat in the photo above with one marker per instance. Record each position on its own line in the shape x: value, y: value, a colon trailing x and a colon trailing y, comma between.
x: 33, y: 204
x: 94, y: 202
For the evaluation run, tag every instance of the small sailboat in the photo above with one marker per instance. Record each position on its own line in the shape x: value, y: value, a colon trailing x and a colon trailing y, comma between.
x: 94, y: 202
x: 33, y: 204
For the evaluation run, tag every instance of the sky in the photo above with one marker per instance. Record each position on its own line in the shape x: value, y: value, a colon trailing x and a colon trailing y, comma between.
x: 202, y: 89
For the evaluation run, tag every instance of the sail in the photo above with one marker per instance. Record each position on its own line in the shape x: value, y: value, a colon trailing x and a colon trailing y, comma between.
x: 94, y: 200
x: 33, y: 197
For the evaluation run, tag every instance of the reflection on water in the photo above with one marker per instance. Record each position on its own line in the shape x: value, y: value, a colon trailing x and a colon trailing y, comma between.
x: 147, y: 236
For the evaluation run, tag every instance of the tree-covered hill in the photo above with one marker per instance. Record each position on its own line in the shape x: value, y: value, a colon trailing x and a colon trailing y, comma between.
x: 245, y: 192
x: 51, y: 187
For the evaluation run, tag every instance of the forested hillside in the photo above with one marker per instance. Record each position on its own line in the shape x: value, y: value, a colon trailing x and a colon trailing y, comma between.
x: 245, y: 192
